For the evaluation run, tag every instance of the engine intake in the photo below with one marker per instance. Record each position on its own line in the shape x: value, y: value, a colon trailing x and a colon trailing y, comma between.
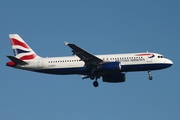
x: 114, y: 78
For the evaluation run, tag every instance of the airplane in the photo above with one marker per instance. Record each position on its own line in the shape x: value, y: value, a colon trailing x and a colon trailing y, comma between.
x: 111, y: 67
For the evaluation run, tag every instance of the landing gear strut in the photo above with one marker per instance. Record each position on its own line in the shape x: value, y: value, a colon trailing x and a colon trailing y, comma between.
x: 150, y: 76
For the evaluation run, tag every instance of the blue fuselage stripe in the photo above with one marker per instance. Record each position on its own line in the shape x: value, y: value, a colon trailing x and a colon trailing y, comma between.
x: 84, y: 70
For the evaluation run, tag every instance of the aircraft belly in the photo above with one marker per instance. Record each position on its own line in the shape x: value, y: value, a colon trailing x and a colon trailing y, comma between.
x: 143, y: 67
x: 64, y: 71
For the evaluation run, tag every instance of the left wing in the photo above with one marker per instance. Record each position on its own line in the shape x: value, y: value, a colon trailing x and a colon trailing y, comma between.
x: 85, y: 56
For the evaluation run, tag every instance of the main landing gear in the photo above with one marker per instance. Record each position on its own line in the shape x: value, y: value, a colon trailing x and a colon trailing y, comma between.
x: 95, y: 83
x: 150, y: 76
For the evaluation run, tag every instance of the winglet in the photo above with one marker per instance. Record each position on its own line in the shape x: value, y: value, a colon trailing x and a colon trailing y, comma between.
x: 66, y: 43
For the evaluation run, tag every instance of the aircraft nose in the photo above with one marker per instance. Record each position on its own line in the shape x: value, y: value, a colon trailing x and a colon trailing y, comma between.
x: 169, y: 62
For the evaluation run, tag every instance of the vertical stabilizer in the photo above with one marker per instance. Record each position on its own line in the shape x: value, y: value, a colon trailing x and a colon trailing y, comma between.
x: 21, y: 49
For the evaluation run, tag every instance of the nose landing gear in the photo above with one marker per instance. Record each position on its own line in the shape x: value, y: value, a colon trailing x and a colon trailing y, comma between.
x: 150, y: 76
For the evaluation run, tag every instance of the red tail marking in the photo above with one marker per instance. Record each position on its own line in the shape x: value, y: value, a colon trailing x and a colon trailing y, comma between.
x: 28, y: 57
x: 17, y: 42
x: 11, y: 64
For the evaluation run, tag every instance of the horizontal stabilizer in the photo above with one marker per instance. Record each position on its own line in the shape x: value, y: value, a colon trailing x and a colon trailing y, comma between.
x: 17, y: 61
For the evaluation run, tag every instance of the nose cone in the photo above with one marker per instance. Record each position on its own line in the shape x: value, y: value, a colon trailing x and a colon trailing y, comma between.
x: 169, y: 62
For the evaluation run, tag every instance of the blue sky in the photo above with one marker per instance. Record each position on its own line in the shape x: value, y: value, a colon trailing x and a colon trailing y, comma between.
x: 100, y: 27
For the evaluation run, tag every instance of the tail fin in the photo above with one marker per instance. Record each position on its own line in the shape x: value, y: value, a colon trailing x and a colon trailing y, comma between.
x: 21, y: 49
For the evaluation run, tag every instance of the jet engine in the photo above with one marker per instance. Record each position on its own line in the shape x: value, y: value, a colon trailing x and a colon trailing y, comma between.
x: 114, y: 78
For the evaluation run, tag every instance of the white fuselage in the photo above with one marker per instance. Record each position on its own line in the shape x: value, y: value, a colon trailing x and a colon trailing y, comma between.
x: 73, y: 64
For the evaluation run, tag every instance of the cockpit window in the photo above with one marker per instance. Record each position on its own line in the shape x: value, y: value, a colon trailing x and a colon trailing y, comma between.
x: 160, y: 56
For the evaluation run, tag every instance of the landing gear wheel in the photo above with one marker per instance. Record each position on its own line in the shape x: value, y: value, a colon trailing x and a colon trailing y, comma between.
x: 96, y: 84
x: 150, y: 77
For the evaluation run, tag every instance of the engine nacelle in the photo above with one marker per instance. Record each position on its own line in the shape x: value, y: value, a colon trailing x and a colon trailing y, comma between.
x: 110, y: 66
x: 114, y: 78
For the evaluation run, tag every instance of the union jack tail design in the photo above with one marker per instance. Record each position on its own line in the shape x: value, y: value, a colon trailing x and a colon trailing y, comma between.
x: 21, y: 49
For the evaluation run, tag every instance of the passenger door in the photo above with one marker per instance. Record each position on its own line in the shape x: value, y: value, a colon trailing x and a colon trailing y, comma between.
x: 40, y: 63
